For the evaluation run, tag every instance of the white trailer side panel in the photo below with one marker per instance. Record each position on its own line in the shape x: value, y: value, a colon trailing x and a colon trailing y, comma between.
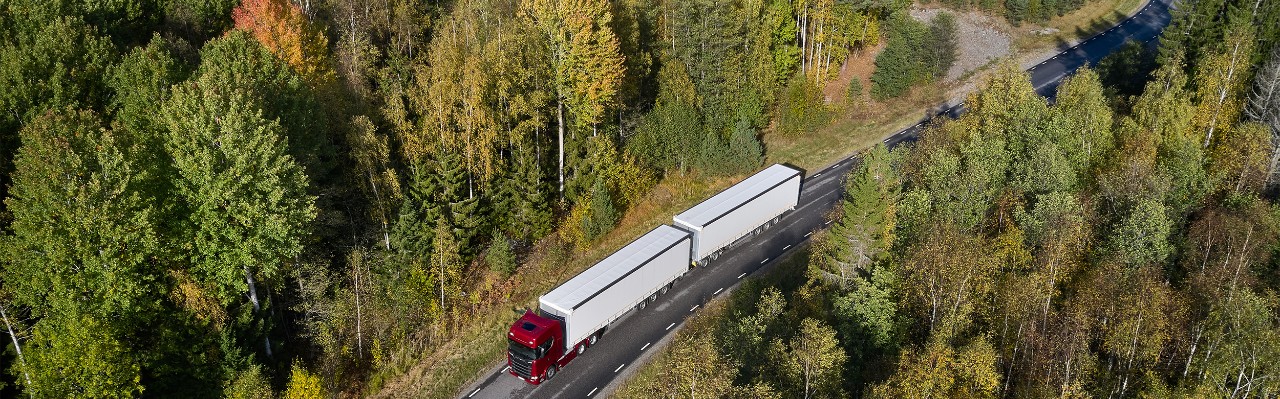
x: 607, y: 290
x: 738, y: 210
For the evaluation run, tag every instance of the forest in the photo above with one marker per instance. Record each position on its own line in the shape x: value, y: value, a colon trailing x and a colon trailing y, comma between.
x: 252, y: 198
x: 1096, y: 245
x: 295, y: 198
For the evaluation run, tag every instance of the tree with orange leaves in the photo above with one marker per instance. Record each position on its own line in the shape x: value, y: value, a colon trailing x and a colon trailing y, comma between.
x: 283, y: 28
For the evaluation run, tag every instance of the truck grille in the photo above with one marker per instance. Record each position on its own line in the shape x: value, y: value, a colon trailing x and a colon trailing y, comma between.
x: 522, y: 367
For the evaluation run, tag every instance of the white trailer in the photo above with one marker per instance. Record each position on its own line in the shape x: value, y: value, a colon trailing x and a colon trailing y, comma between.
x: 603, y: 293
x: 740, y: 210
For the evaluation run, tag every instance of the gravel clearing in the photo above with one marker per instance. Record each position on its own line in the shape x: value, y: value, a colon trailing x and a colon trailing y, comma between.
x: 978, y: 41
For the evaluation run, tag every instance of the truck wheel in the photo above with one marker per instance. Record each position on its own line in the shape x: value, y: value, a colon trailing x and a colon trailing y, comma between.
x: 551, y: 372
x: 581, y: 348
x: 594, y: 338
x: 643, y: 304
x: 664, y: 289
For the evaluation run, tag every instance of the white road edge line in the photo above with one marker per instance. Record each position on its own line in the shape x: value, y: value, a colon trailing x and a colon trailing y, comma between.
x: 742, y: 275
x: 785, y: 248
x: 765, y: 260
x: 816, y: 175
x: 695, y: 307
x: 473, y: 393
x: 808, y: 234
x: 593, y: 390
x: 619, y: 367
x: 718, y: 291
x: 646, y: 346
x: 667, y: 329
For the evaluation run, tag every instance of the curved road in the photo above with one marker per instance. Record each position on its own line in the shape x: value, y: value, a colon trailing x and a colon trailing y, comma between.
x: 639, y: 333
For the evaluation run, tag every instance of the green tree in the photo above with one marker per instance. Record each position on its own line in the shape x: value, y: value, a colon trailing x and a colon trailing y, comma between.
x: 1142, y: 237
x: 500, y: 256
x: 83, y: 235
x: 236, y: 62
x: 863, y: 234
x: 46, y: 65
x: 77, y: 355
x: 1246, y: 349
x: 1085, y: 110
x: 815, y: 360
x: 941, y: 370
x: 666, y: 134
x: 244, y: 199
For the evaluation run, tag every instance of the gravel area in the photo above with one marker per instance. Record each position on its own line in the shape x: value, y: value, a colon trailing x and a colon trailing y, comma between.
x: 978, y: 41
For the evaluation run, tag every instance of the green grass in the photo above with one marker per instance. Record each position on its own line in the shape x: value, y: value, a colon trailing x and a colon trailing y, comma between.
x: 1078, y: 25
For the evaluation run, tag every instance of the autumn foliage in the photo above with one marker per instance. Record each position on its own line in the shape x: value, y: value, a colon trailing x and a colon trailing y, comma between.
x: 283, y: 28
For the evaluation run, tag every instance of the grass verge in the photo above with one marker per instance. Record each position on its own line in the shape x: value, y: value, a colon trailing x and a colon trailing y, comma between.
x: 1075, y: 26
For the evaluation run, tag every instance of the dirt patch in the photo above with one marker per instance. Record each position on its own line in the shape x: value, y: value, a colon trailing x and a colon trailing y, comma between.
x: 980, y: 39
x: 859, y: 65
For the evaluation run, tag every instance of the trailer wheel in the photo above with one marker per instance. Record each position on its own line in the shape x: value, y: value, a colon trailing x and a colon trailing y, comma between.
x: 664, y: 289
x: 643, y: 304
x: 594, y: 338
x: 581, y: 348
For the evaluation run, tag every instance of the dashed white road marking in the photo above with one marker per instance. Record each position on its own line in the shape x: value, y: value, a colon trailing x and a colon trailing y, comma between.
x: 785, y: 248
x: 718, y: 291
x: 619, y: 367
x: 593, y: 390
x: 765, y: 260
x: 646, y: 345
x: 667, y: 329
x: 808, y: 234
x: 695, y: 307
x: 816, y: 175
x: 473, y: 393
x: 741, y: 275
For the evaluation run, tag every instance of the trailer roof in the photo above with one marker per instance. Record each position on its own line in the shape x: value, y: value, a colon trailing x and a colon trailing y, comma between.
x: 733, y: 197
x: 614, y: 268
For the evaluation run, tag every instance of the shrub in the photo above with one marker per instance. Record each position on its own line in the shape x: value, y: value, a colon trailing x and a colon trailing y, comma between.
x: 801, y: 108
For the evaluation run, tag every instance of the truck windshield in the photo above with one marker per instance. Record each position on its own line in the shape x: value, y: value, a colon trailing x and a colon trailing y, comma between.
x: 520, y: 350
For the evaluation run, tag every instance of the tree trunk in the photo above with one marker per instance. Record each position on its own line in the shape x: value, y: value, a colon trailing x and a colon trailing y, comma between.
x: 359, y: 315
x: 17, y: 348
x: 253, y: 298
x: 1222, y: 93
x: 560, y: 141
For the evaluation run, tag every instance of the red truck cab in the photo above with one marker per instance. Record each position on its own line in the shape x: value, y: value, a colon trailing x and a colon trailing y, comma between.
x: 535, y: 348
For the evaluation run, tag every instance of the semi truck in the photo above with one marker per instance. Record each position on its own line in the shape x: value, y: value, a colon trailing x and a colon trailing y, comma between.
x: 749, y: 206
x: 573, y: 316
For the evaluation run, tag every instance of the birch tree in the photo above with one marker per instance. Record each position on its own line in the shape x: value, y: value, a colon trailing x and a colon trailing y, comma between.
x: 585, y: 61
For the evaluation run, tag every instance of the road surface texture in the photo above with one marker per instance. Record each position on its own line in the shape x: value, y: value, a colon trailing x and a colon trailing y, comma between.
x: 631, y: 340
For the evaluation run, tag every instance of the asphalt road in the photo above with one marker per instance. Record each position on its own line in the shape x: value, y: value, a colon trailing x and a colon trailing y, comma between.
x: 639, y: 333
